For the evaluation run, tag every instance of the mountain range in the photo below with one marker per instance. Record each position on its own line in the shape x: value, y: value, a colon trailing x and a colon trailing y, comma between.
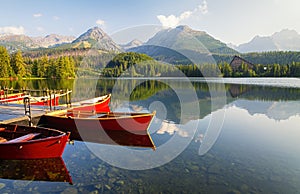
x: 168, y: 43
x: 285, y: 40
x: 23, y: 42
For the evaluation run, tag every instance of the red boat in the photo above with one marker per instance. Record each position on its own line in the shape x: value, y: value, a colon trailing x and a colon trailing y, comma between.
x: 23, y: 142
x: 10, y: 97
x: 45, y: 100
x: 118, y: 121
x: 47, y: 169
x: 99, y: 104
x: 128, y: 129
x: 41, y: 100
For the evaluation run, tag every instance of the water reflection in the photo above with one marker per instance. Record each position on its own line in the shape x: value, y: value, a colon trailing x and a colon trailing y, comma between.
x: 257, y: 150
x: 52, y: 169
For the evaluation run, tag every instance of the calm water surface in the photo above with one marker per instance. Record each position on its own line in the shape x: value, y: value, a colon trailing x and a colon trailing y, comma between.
x: 256, y: 149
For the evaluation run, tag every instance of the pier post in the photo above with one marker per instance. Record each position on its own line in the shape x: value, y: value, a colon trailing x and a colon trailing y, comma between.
x: 27, y: 109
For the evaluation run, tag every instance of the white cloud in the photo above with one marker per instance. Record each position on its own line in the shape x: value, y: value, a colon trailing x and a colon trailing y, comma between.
x: 40, y: 29
x: 203, y: 7
x: 12, y: 30
x: 172, y: 21
x: 56, y: 18
x: 168, y: 21
x: 100, y: 22
x: 37, y: 15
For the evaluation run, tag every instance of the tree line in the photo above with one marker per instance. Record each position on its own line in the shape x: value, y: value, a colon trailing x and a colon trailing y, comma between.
x: 139, y: 65
x: 259, y: 70
x: 133, y: 64
x: 15, y: 65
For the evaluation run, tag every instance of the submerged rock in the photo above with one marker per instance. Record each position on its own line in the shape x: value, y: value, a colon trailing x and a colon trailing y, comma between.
x: 2, y: 185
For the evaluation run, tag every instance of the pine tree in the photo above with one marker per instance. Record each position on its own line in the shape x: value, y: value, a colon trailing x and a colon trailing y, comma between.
x: 5, y: 68
x: 18, y: 65
x: 42, y: 67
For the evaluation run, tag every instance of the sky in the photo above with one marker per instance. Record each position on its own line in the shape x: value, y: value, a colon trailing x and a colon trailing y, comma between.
x: 231, y: 21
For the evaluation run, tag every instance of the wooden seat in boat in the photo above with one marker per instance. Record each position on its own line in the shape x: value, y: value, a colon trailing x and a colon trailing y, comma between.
x: 2, y: 140
x: 23, y: 138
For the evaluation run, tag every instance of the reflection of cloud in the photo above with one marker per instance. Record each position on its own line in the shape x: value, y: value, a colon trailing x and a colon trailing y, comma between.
x: 171, y: 128
x: 12, y: 30
x: 37, y: 15
x: 167, y: 127
x: 277, y: 110
x: 172, y: 21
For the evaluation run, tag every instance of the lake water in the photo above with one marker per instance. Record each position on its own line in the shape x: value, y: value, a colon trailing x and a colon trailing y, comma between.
x: 210, y: 137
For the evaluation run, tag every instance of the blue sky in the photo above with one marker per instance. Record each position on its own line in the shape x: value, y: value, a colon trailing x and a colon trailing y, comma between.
x: 231, y: 21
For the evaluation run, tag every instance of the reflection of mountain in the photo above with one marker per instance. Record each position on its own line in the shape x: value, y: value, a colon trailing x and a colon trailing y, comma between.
x: 182, y: 105
x: 277, y: 110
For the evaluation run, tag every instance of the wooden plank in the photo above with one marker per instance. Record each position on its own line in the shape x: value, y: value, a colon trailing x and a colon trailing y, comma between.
x: 23, y: 138
x: 20, y: 119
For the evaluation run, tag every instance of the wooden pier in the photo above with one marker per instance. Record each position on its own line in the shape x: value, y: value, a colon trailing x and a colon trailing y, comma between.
x: 22, y: 113
x: 24, y: 120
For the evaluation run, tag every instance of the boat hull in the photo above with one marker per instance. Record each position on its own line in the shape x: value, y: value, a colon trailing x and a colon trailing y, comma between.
x: 127, y: 122
x: 49, y: 148
x: 51, y: 145
x: 127, y: 130
x: 101, y: 105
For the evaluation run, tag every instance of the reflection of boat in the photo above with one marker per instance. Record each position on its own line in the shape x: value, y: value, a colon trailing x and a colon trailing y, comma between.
x: 49, y: 169
x: 122, y: 138
x: 128, y: 129
x: 23, y: 142
x: 99, y: 104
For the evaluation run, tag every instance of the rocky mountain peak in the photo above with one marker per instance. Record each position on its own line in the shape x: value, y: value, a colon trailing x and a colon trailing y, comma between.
x: 132, y: 44
x: 95, y: 33
x: 97, y: 37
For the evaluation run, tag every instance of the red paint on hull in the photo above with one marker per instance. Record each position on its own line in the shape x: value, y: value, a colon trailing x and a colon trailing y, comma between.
x: 51, y: 145
x: 102, y: 105
x: 128, y: 129
x: 114, y: 121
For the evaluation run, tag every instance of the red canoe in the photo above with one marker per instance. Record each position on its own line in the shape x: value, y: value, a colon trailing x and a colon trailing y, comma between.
x: 23, y: 142
x: 40, y: 100
x: 11, y: 97
x: 45, y: 100
x: 99, y: 104
x: 127, y: 129
x: 118, y: 121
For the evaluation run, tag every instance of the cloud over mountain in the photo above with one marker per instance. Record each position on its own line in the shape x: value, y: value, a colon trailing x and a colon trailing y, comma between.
x: 172, y: 21
x: 12, y: 30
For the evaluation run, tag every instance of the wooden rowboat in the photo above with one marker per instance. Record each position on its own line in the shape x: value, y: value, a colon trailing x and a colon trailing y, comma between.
x: 45, y: 100
x: 128, y: 129
x: 48, y: 169
x: 11, y: 97
x: 119, y: 121
x: 39, y: 100
x: 98, y: 104
x: 23, y: 142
